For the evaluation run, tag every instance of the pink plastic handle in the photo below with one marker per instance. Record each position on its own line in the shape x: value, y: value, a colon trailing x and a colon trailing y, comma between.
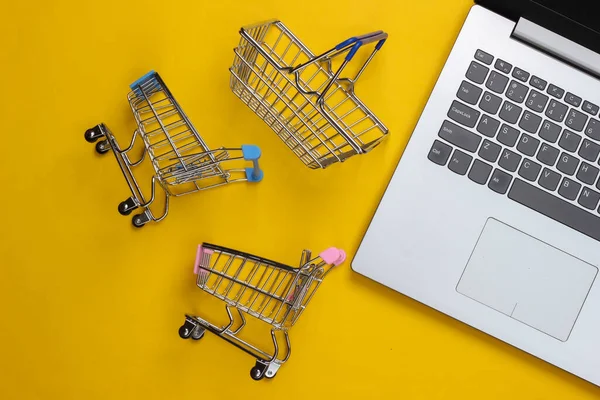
x: 333, y: 256
x: 199, y: 255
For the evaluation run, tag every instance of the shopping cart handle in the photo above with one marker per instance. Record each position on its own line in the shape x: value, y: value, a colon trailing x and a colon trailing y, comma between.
x: 252, y: 153
x: 377, y: 36
x: 333, y: 256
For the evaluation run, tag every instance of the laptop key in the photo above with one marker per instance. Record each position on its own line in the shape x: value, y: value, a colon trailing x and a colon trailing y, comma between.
x: 459, y: 137
x: 536, y: 101
x: 500, y: 181
x: 490, y: 103
x: 569, y: 140
x: 589, y: 198
x: 508, y: 135
x: 463, y: 114
x: 520, y: 74
x: 477, y: 72
x: 529, y: 170
x: 569, y: 189
x: 480, y: 172
x: 538, y: 83
x: 510, y: 112
x: 589, y: 150
x: 556, y: 111
x: 567, y: 164
x: 496, y: 82
x: 576, y: 120
x: 593, y: 129
x: 554, y: 207
x: 555, y: 91
x: 587, y: 173
x: 489, y: 151
x: 468, y: 92
x: 548, y: 154
x: 590, y: 108
x: 530, y: 122
x: 550, y: 131
x: 484, y: 57
x: 439, y: 152
x: 573, y: 100
x: 509, y: 160
x: 516, y: 91
x: 488, y: 126
x: 549, y: 179
x: 503, y: 66
x: 459, y: 162
x: 528, y: 145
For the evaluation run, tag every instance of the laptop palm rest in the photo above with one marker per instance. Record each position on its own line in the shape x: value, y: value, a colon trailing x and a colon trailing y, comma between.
x: 527, y: 279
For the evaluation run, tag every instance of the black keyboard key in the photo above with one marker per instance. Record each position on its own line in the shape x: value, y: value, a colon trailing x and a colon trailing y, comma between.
x: 484, y: 57
x: 569, y: 189
x: 510, y: 112
x: 537, y: 83
x: 460, y: 137
x: 589, y: 198
x: 548, y: 154
x: 589, y: 150
x: 439, y: 152
x: 569, y: 140
x: 549, y: 131
x: 468, y: 92
x: 480, y: 172
x: 500, y: 181
x: 489, y: 151
x: 528, y: 145
x: 496, y: 82
x: 555, y: 91
x: 549, y: 179
x: 508, y: 135
x: 593, y: 129
x: 516, y: 91
x: 555, y: 208
x: 477, y: 72
x: 576, y: 120
x: 590, y: 108
x: 530, y: 122
x: 556, y: 111
x: 463, y: 114
x: 536, y: 101
x: 488, y: 126
x: 490, y: 103
x: 529, y: 170
x: 509, y: 160
x: 459, y: 162
x: 587, y: 173
x: 520, y: 74
x: 503, y: 66
x: 573, y: 100
x: 567, y: 164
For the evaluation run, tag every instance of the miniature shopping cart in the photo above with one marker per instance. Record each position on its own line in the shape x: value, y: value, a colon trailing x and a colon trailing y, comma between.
x: 309, y: 106
x: 182, y: 161
x: 272, y: 292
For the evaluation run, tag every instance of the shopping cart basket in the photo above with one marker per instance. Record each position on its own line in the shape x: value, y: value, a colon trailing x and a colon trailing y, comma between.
x: 309, y: 106
x: 274, y: 293
x: 182, y: 161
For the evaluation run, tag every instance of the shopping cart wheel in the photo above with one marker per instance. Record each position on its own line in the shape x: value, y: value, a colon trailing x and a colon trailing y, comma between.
x: 127, y: 206
x: 262, y: 370
x: 198, y: 333
x: 93, y: 134
x: 102, y: 147
x: 140, y: 220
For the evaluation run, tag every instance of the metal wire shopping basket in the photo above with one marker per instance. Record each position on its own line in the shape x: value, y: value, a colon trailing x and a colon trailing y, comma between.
x: 309, y: 106
x: 182, y: 161
x: 272, y: 292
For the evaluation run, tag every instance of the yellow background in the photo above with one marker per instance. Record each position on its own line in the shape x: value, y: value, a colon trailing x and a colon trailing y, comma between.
x: 90, y: 307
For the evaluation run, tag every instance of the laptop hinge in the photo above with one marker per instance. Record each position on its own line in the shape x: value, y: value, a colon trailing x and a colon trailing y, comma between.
x: 557, y: 45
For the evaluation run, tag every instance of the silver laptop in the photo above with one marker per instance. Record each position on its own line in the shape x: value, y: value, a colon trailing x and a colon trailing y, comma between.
x: 492, y: 215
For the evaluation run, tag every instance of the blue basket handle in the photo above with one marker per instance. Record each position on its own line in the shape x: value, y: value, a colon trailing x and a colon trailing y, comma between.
x: 252, y: 153
x: 377, y: 36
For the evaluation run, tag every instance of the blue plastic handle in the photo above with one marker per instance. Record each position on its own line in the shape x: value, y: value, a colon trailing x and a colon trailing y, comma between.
x: 252, y: 153
x: 358, y: 41
x: 140, y: 81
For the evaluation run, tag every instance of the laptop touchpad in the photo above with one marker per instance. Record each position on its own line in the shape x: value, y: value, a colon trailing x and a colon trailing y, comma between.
x: 527, y: 279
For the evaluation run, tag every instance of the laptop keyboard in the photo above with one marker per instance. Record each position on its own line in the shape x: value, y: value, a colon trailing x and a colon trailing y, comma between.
x: 523, y: 137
